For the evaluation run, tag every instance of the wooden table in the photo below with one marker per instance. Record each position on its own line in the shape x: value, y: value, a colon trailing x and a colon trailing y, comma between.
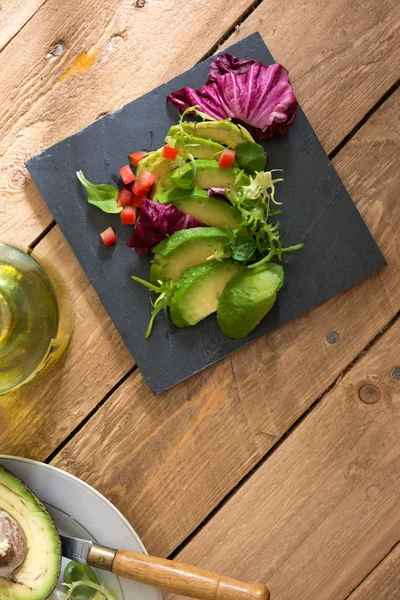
x: 271, y: 465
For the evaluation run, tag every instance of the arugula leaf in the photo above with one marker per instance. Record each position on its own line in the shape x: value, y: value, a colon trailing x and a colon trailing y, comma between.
x: 77, y: 572
x: 103, y: 196
x: 243, y: 248
x: 250, y: 157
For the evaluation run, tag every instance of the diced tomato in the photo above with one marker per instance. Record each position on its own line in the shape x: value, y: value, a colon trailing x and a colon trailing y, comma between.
x: 146, y: 180
x: 169, y: 152
x: 125, y: 197
x: 127, y: 175
x: 128, y: 215
x: 226, y: 159
x: 138, y: 200
x: 108, y: 237
x: 136, y: 157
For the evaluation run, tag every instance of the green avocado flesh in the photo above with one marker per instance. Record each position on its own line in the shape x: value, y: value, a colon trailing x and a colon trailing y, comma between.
x: 198, y: 147
x: 155, y: 163
x: 224, y: 132
x: 198, y: 290
x: 197, y: 203
x: 247, y: 298
x: 184, y: 249
x: 209, y: 174
x: 38, y: 575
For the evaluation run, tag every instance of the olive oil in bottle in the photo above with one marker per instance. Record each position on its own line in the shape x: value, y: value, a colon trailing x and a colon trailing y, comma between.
x: 35, y: 317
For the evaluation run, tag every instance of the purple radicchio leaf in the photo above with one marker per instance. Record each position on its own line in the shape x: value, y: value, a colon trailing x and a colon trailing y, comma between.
x: 219, y: 193
x: 157, y: 222
x: 258, y: 96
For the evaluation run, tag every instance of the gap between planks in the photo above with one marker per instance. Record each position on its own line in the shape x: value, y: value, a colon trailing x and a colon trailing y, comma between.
x: 282, y: 439
x: 90, y: 414
x: 363, y: 580
x: 22, y: 27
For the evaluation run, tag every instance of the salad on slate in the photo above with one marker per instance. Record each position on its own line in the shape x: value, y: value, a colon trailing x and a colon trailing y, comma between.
x: 208, y: 211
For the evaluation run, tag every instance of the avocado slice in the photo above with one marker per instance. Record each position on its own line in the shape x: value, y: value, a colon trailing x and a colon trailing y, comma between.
x: 198, y: 147
x: 209, y: 174
x: 155, y: 163
x: 184, y: 249
x: 197, y: 203
x: 247, y: 298
x: 198, y: 290
x: 38, y: 574
x: 224, y: 132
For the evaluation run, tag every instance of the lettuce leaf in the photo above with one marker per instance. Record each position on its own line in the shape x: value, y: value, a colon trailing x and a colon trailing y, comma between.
x: 258, y: 96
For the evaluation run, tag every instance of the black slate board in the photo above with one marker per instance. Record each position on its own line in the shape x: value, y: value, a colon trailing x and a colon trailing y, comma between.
x: 317, y: 209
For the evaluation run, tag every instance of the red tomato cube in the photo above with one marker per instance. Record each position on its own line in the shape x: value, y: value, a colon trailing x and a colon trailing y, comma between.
x: 169, y: 152
x: 128, y: 215
x: 108, y: 237
x: 136, y: 157
x: 138, y: 189
x: 138, y: 200
x: 125, y: 197
x: 146, y: 180
x: 127, y: 175
x: 227, y: 158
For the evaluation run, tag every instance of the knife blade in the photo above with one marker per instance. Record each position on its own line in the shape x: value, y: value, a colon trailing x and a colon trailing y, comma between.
x: 162, y: 573
x: 87, y: 553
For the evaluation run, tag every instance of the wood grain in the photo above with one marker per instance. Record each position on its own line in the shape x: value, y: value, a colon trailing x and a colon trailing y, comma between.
x: 13, y: 16
x: 384, y: 581
x: 96, y: 359
x: 323, y: 510
x: 337, y: 79
x: 113, y: 52
x: 171, y: 459
x: 342, y: 56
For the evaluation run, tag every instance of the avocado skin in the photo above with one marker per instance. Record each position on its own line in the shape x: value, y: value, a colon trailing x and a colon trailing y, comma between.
x: 247, y: 298
x: 197, y: 292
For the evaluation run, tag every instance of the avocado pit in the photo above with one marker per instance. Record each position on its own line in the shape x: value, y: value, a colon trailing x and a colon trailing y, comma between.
x: 13, y: 544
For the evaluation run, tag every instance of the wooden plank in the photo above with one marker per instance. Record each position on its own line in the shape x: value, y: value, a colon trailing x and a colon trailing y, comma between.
x: 336, y: 79
x: 13, y: 16
x: 167, y: 461
x: 342, y: 57
x: 96, y: 359
x: 113, y: 52
x: 323, y: 510
x: 384, y: 581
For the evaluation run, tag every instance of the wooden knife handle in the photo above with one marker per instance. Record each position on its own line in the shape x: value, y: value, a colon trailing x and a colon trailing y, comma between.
x: 186, y: 580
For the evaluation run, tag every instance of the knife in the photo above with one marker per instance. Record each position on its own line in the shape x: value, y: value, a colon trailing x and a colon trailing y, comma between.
x: 168, y: 575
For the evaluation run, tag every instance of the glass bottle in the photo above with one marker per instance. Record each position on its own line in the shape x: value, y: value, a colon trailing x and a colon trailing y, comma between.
x: 36, y: 316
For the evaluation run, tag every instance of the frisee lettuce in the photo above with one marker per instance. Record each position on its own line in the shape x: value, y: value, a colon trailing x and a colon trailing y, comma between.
x: 96, y: 586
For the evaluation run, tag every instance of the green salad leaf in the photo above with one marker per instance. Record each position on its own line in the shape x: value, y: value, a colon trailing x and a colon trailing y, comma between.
x: 103, y: 196
x: 250, y: 157
x: 74, y: 572
x: 243, y: 248
x: 100, y: 589
x: 186, y: 179
x: 165, y: 291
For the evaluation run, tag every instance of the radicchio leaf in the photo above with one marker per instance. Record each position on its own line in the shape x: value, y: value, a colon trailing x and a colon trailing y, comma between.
x: 259, y: 96
x: 157, y: 222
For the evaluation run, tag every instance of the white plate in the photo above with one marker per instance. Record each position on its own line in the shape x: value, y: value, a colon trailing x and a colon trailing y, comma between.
x: 79, y: 510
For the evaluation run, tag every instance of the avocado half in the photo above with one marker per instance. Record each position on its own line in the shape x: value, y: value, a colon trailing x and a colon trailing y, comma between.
x: 38, y: 574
